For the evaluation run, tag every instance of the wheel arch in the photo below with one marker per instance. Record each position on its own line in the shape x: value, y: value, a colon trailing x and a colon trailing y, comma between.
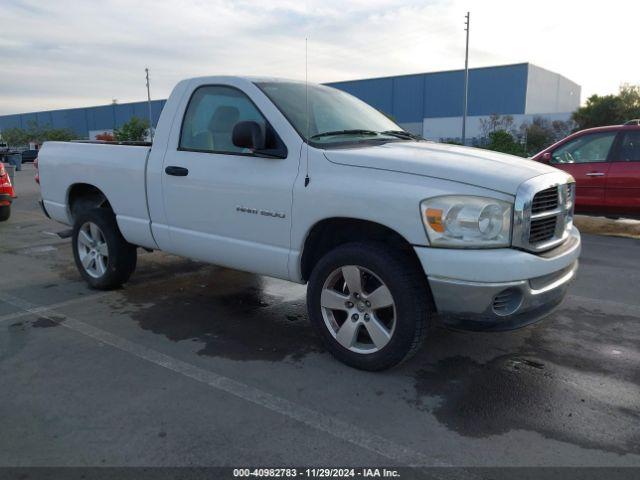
x: 332, y: 232
x: 87, y: 195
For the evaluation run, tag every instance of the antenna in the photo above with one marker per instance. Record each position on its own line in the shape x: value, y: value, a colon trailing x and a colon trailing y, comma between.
x: 306, y: 94
x: 146, y: 70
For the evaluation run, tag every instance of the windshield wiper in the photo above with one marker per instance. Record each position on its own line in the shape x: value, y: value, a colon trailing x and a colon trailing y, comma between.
x: 344, y: 132
x: 402, y: 134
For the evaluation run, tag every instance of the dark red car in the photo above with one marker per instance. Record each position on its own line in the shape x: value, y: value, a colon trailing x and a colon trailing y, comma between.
x: 7, y: 194
x: 605, y: 162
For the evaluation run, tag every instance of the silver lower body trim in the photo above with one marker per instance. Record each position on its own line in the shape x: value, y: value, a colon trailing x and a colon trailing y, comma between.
x: 499, y: 306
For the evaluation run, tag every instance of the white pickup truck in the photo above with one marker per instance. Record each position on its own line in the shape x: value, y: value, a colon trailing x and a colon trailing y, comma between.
x: 307, y: 183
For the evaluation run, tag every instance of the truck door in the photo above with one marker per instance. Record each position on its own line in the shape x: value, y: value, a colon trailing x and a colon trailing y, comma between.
x: 586, y: 158
x: 224, y: 204
x: 623, y: 182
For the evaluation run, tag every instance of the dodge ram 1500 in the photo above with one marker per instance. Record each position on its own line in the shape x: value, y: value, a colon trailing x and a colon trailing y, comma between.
x: 304, y: 182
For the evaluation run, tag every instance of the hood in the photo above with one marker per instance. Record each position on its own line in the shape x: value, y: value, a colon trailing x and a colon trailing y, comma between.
x: 474, y: 166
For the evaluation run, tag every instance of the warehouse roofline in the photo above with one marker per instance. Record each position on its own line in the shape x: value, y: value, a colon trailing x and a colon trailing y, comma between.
x: 489, y: 67
x: 404, y: 75
x: 82, y: 108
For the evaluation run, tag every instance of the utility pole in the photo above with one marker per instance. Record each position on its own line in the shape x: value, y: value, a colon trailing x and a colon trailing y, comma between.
x: 146, y: 70
x: 466, y: 80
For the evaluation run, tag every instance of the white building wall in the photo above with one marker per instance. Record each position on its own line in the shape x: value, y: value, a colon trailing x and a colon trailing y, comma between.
x: 549, y: 92
x: 549, y: 95
x: 413, y: 127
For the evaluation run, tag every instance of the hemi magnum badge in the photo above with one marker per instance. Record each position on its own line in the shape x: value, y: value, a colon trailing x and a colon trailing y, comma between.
x: 255, y: 211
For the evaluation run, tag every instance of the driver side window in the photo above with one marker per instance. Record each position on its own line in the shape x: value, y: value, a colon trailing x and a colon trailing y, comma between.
x: 590, y: 148
x: 212, y: 114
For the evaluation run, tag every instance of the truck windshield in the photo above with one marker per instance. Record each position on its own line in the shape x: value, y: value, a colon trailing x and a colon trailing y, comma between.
x: 334, y: 117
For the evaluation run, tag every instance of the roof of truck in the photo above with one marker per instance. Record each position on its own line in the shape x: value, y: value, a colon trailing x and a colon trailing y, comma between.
x: 249, y: 78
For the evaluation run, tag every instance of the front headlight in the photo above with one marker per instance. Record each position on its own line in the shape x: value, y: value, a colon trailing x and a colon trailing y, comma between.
x: 461, y: 221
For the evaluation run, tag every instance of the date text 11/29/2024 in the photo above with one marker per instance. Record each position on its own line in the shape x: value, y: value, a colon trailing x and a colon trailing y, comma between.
x: 315, y: 473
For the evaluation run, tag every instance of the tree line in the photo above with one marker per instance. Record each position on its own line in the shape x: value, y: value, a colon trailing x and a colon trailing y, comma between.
x: 16, y: 137
x: 499, y: 132
x: 134, y: 130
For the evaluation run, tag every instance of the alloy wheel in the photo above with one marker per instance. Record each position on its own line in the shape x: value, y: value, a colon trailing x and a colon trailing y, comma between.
x: 93, y: 250
x: 358, y: 309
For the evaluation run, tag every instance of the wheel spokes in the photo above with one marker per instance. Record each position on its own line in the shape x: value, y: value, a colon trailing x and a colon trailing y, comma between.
x: 333, y: 300
x: 348, y: 333
x: 380, y: 336
x: 380, y: 297
x: 94, y: 232
x: 349, y: 310
x: 353, y: 278
x: 102, y: 249
x: 100, y: 265
x: 92, y: 250
x: 84, y: 239
x: 86, y: 260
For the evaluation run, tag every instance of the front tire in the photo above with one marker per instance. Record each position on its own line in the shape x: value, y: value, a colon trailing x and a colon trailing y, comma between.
x: 5, y: 213
x: 102, y: 255
x: 370, y: 304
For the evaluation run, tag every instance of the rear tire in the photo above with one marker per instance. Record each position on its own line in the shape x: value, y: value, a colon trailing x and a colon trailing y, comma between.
x: 373, y: 319
x: 5, y: 213
x: 102, y: 255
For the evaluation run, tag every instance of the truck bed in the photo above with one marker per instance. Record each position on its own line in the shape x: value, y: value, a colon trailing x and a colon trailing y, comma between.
x: 118, y: 170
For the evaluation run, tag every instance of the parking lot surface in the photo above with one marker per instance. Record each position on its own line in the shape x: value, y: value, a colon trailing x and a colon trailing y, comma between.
x: 191, y: 364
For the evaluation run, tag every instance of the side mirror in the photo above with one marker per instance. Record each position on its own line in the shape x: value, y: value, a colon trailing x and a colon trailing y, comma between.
x: 249, y: 135
x: 546, y: 157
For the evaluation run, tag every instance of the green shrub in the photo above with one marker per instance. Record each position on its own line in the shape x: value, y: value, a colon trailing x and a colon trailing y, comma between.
x: 135, y: 130
x: 503, y: 141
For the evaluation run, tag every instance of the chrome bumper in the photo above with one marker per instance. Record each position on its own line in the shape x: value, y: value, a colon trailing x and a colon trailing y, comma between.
x: 500, y: 306
x: 499, y: 290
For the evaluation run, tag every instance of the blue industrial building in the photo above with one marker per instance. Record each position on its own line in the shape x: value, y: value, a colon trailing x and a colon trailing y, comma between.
x: 430, y: 104
x: 86, y: 121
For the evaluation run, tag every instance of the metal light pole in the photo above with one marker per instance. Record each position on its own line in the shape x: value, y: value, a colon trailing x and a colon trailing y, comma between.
x: 146, y: 70
x: 466, y: 80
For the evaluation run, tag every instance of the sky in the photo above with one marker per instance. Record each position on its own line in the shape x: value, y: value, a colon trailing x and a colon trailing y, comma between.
x: 63, y: 54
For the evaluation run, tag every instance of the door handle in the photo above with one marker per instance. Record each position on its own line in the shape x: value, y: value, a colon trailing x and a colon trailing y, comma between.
x: 595, y: 174
x: 176, y: 171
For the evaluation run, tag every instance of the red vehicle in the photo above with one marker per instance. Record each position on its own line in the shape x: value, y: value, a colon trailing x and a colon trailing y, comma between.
x: 605, y: 162
x: 7, y: 194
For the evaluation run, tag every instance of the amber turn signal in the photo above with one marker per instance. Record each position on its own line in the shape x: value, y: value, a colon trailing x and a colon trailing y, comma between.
x: 434, y: 219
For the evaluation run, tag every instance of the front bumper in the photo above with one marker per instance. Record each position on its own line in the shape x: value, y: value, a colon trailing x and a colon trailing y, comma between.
x: 498, y: 289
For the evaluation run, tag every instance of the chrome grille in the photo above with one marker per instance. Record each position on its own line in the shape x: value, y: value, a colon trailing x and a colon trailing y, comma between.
x: 543, y: 212
x: 542, y: 230
x: 545, y: 200
x: 571, y: 194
